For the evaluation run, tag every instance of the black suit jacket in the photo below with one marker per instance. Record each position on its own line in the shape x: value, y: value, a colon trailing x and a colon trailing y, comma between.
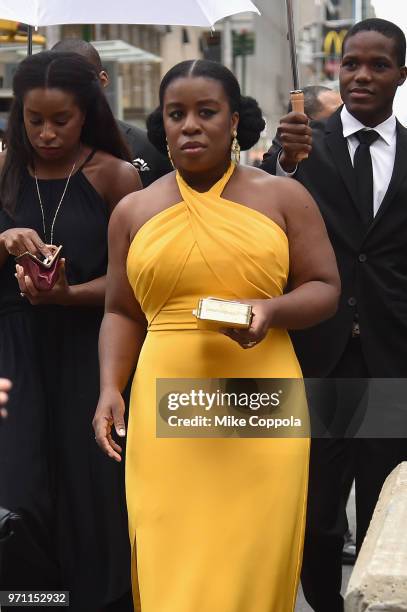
x: 150, y: 163
x: 372, y: 263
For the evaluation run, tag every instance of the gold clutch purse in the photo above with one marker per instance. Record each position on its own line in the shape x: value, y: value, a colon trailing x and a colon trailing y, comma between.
x: 214, y: 314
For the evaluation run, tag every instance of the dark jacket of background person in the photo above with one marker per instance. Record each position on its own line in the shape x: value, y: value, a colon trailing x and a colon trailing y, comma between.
x: 150, y: 163
x: 372, y: 263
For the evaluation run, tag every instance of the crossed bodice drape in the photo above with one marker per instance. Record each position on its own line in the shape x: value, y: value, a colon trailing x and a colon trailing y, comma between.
x: 190, y: 246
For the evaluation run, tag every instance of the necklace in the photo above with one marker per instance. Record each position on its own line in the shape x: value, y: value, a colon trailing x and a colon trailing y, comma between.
x: 59, y: 204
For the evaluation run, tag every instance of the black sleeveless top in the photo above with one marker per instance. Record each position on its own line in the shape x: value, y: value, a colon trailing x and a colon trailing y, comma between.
x: 80, y: 226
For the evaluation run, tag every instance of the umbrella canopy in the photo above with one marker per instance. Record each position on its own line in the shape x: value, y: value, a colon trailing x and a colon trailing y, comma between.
x: 154, y: 12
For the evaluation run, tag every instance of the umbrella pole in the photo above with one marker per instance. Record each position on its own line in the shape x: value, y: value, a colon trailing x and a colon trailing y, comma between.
x: 296, y: 95
x: 291, y: 42
x: 30, y: 40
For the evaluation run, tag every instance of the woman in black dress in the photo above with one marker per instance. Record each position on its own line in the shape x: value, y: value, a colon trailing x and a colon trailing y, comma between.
x: 63, y: 172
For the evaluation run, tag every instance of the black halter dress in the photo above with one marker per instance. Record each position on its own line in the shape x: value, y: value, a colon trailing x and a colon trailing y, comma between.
x: 71, y: 497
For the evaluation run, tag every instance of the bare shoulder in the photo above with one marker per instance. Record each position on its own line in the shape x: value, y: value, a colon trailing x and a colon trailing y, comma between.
x: 137, y: 208
x: 164, y: 190
x: 284, y: 194
x: 111, y: 166
x: 260, y: 180
x: 113, y: 178
x: 275, y: 197
x: 256, y: 181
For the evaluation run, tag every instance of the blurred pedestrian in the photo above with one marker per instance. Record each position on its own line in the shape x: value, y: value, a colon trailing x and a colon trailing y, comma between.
x: 320, y: 102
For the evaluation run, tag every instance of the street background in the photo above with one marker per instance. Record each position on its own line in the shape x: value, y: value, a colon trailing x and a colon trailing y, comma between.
x: 254, y: 47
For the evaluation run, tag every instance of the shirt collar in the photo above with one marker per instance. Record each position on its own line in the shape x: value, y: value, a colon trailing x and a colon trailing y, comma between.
x: 351, y: 125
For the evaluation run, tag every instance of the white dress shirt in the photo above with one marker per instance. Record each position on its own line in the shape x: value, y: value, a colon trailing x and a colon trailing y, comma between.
x: 382, y: 152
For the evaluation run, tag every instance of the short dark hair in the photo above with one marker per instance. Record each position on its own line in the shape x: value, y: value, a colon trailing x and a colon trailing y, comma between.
x: 251, y: 122
x: 312, y: 103
x: 387, y: 28
x: 68, y: 72
x: 82, y: 47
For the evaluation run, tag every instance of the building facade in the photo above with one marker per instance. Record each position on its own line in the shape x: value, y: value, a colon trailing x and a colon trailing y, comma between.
x: 254, y: 47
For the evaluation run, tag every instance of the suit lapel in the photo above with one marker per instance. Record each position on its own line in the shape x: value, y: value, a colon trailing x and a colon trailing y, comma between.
x: 338, y: 147
x: 398, y: 175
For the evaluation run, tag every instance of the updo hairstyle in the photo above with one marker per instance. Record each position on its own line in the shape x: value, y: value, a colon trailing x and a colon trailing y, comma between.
x: 251, y: 122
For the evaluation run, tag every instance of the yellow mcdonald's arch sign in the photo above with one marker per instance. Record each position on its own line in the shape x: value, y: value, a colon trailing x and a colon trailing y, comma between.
x: 333, y: 42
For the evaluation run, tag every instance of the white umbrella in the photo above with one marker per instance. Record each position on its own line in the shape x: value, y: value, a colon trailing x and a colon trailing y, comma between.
x: 154, y: 12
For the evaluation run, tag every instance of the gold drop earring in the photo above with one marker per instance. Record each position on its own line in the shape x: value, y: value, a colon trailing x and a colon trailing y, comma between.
x: 169, y: 153
x: 235, y: 148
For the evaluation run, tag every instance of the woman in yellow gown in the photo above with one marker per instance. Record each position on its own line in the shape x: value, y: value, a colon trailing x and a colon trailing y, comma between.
x: 216, y: 525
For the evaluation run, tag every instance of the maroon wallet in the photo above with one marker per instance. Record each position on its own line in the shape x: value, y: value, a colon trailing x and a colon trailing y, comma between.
x: 43, y: 273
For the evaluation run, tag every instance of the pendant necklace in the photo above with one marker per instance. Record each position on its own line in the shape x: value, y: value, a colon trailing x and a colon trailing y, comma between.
x: 59, y: 204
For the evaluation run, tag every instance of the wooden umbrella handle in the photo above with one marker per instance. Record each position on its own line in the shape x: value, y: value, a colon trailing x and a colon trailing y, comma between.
x: 297, y: 103
x: 297, y: 100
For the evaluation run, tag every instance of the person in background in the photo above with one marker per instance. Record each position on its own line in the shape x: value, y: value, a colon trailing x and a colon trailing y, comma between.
x: 319, y: 102
x: 65, y: 168
x: 150, y: 163
x: 357, y: 173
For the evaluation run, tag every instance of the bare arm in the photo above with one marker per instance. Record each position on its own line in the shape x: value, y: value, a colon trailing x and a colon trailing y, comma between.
x: 124, y: 325
x: 121, y: 336
x: 314, y: 284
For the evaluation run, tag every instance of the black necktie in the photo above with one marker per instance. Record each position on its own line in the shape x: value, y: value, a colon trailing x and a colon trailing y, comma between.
x: 364, y: 174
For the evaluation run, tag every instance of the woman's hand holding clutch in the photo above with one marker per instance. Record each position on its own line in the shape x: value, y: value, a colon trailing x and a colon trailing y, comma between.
x: 59, y: 294
x: 109, y: 413
x: 259, y: 326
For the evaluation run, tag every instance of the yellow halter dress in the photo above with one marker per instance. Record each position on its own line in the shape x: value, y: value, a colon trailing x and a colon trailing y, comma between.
x: 216, y: 525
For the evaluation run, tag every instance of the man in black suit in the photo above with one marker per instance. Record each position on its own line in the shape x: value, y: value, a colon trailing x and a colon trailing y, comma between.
x: 357, y: 172
x: 150, y: 163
